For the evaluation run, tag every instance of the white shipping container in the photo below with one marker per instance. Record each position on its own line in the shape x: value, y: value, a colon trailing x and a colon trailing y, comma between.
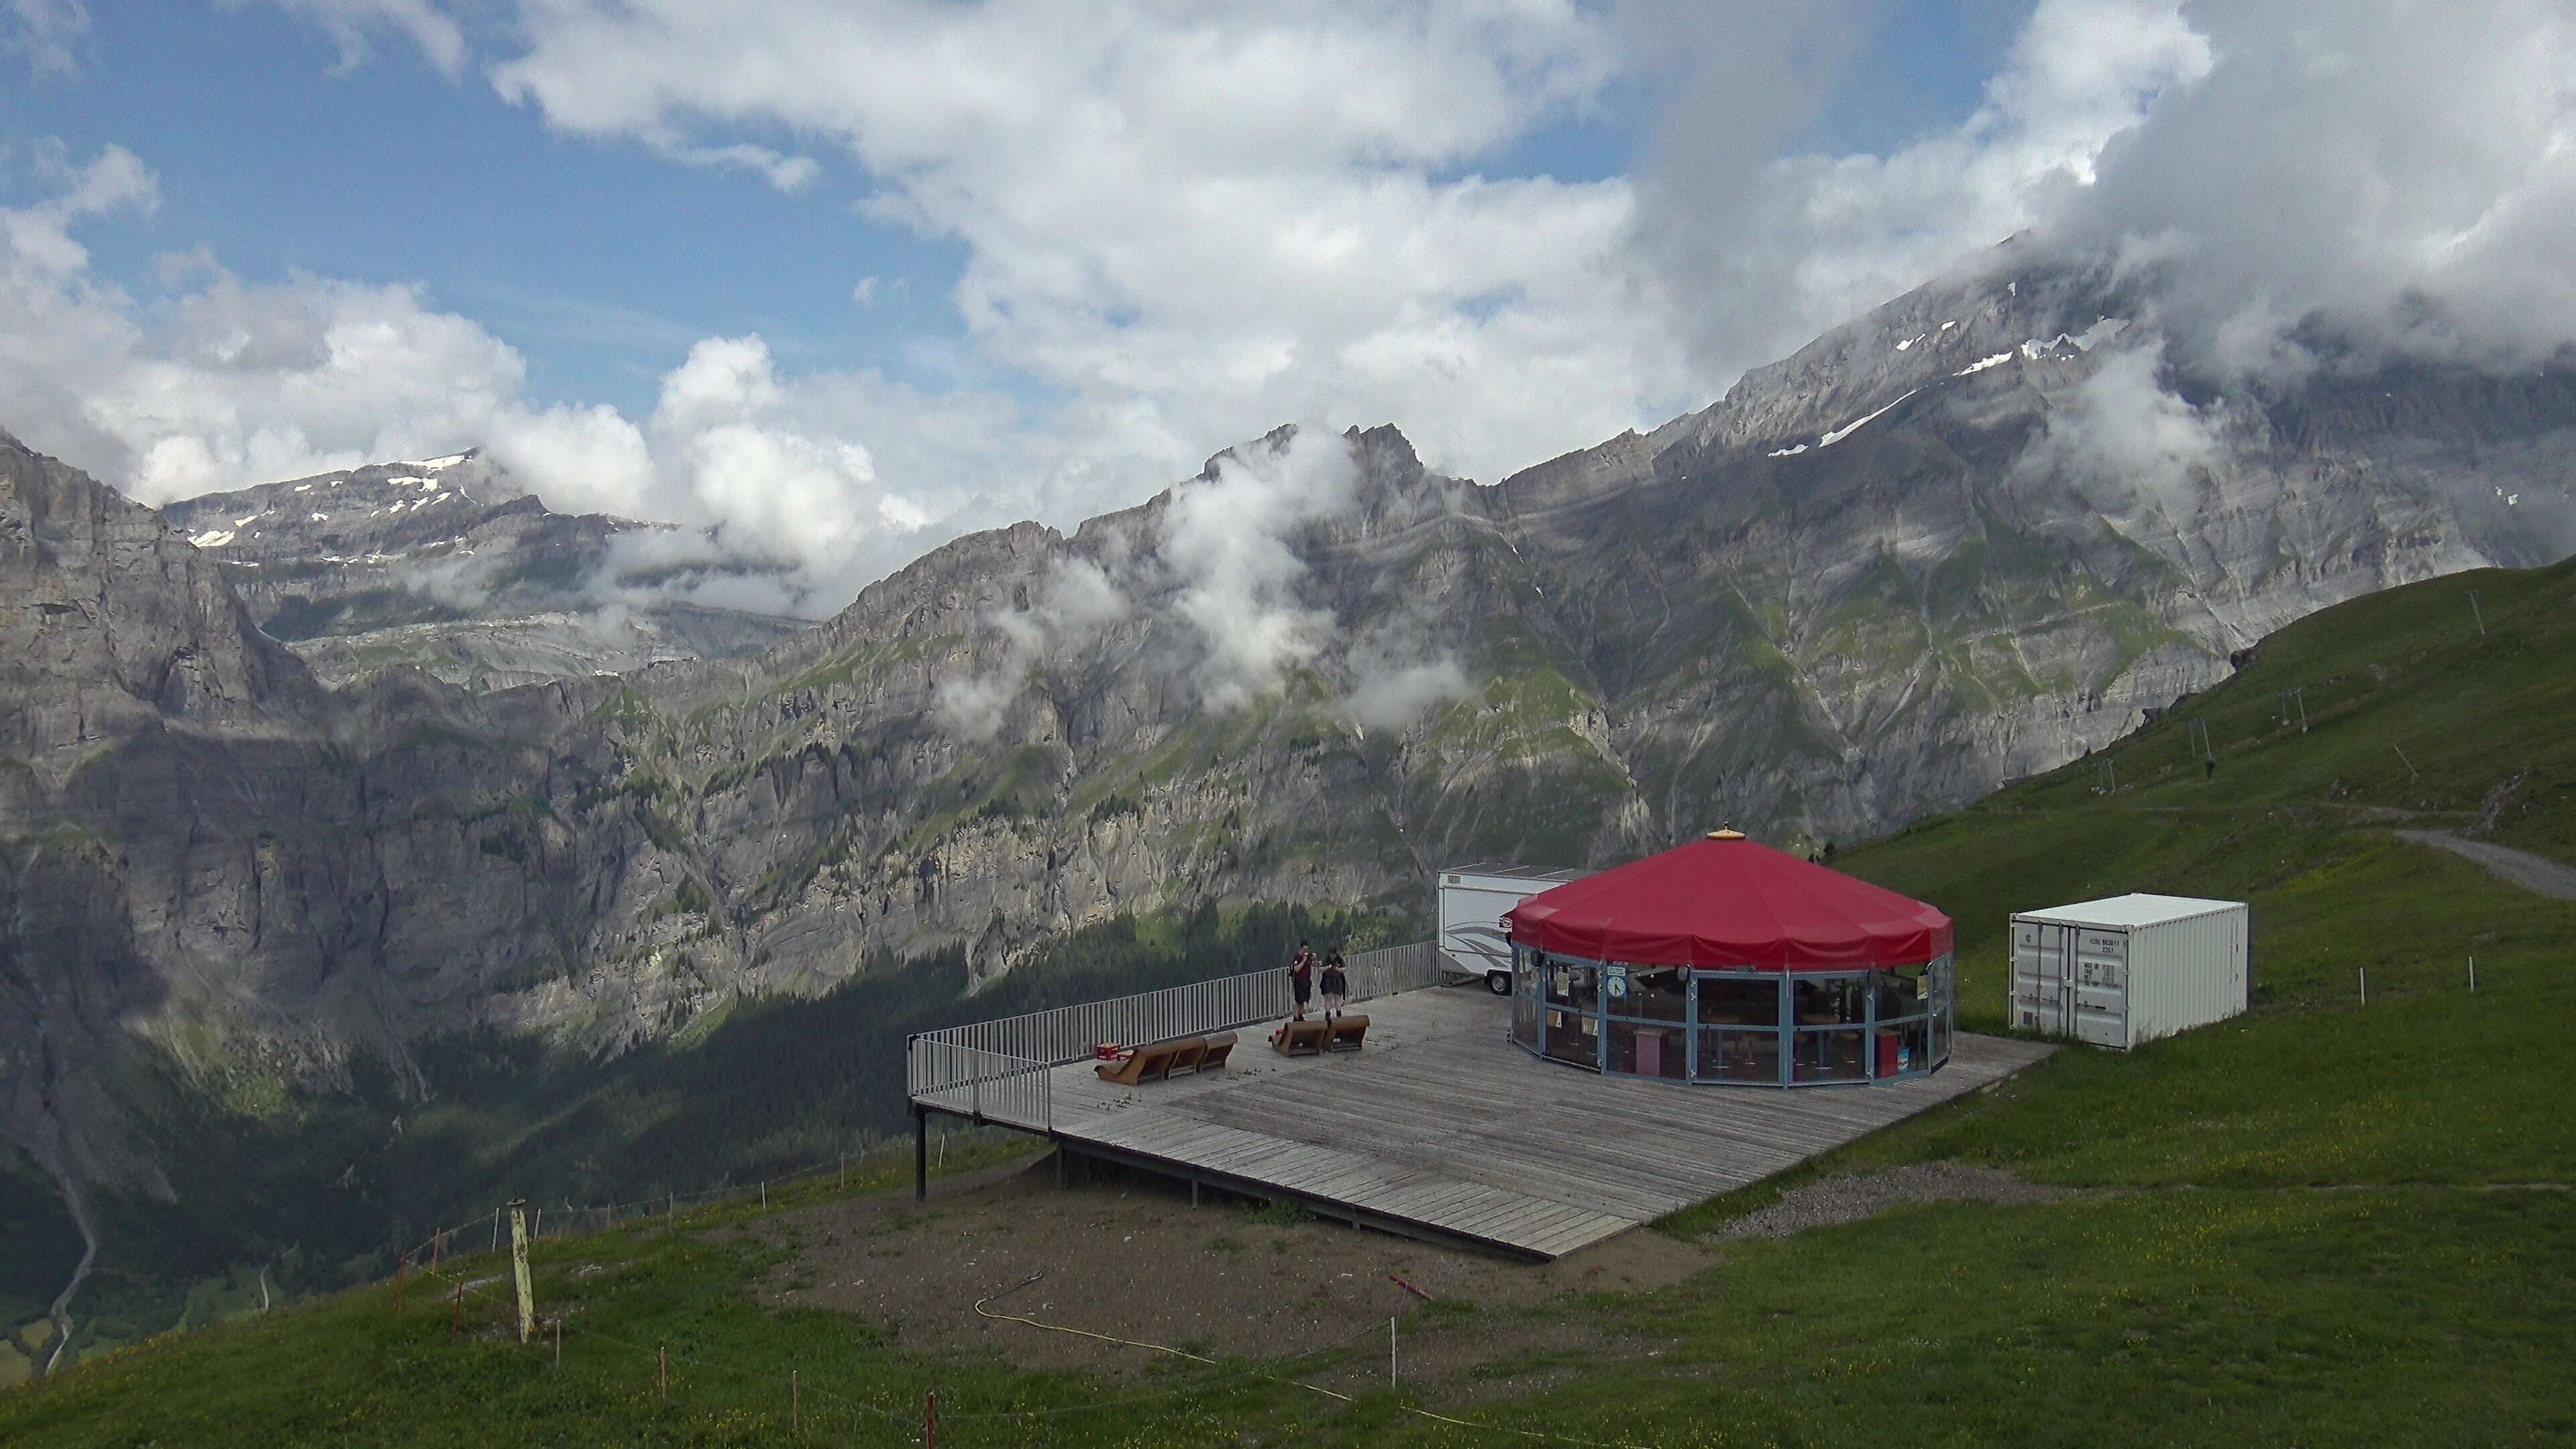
x: 2129, y: 969
x: 1472, y: 901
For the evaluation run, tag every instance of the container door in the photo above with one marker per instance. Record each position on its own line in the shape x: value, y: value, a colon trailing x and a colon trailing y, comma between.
x: 2043, y: 998
x: 2101, y: 994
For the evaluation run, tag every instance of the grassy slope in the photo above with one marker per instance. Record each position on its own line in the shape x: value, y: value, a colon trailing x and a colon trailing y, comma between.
x: 2322, y: 1223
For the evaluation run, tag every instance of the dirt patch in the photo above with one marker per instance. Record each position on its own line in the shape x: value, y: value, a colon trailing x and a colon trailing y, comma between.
x: 1126, y: 1255
x: 1851, y: 1197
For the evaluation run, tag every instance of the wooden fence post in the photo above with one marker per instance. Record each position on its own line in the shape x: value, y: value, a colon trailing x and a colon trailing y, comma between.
x: 662, y: 1358
x: 519, y: 1268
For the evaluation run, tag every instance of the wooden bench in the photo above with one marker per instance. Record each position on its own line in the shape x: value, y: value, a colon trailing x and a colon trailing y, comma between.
x: 1166, y: 1060
x: 1347, y: 1033
x: 1219, y: 1047
x: 1300, y: 1038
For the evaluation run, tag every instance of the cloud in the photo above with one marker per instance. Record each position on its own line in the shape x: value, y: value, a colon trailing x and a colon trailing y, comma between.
x: 1398, y: 676
x: 220, y: 384
x: 47, y: 32
x: 783, y: 172
x: 1187, y: 223
x: 1076, y: 602
x: 1228, y: 541
x: 2125, y: 439
x: 423, y: 22
x: 1762, y: 252
x: 2288, y: 182
x: 2386, y: 177
x: 1183, y: 223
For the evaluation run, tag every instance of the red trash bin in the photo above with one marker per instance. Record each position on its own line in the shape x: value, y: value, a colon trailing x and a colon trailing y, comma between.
x: 1886, y: 1054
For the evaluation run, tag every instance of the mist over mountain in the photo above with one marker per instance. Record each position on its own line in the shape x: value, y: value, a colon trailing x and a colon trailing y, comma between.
x: 444, y: 564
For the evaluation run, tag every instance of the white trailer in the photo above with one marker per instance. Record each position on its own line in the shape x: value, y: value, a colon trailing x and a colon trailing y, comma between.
x: 2128, y: 969
x: 1472, y: 901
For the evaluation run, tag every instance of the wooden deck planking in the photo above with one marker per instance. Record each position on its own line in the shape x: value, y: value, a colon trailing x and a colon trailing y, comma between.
x: 1444, y: 1125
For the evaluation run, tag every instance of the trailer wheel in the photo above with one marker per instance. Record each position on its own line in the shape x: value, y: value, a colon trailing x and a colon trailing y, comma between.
x: 1499, y: 982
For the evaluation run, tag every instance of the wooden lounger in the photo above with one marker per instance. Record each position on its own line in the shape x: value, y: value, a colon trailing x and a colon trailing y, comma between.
x: 1165, y: 1060
x: 1300, y: 1038
x: 1139, y: 1064
x: 1347, y: 1034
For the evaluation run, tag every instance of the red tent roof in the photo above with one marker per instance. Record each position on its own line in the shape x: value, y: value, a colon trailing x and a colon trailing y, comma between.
x: 1727, y: 901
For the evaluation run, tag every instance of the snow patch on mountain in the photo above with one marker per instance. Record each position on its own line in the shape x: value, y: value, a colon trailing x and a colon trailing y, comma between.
x: 1854, y: 426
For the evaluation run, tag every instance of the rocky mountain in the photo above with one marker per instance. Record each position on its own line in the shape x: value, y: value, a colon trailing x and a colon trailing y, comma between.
x: 1968, y: 536
x: 445, y: 565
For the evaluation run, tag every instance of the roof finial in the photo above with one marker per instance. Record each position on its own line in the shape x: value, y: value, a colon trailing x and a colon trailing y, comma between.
x: 1726, y: 832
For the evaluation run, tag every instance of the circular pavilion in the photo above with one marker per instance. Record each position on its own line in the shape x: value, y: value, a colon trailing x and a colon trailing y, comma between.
x: 1726, y: 961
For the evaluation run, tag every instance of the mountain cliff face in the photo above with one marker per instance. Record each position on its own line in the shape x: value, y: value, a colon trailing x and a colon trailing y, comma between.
x: 444, y: 565
x: 1969, y: 536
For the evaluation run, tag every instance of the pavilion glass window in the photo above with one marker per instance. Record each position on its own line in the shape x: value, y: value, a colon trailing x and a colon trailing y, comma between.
x: 1571, y: 991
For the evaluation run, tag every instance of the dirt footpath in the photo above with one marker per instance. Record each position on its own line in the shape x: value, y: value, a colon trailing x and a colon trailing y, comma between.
x: 1126, y: 1255
x: 2521, y: 867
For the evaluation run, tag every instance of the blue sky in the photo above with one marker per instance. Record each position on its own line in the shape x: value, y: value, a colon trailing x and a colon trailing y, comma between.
x: 601, y: 262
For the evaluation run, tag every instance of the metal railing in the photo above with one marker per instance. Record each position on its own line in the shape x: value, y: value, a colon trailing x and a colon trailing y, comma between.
x: 985, y: 1085
x: 997, y: 1070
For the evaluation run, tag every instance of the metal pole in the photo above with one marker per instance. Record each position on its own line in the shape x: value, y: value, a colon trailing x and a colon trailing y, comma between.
x: 930, y: 1421
x: 662, y: 1371
x: 1390, y: 1353
x: 2473, y: 973
x: 920, y: 1155
x: 519, y: 1268
x: 795, y: 1404
x: 2409, y: 764
x: 2365, y: 986
x: 2480, y: 613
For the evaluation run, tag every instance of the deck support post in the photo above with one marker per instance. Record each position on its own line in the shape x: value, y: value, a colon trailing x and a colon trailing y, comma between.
x: 1194, y: 1192
x: 920, y: 1155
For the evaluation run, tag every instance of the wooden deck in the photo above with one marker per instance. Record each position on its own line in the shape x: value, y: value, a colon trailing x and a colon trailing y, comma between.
x: 1442, y: 1128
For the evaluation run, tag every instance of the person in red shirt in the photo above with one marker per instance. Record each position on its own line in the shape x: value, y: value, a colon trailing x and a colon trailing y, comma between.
x: 1301, y: 978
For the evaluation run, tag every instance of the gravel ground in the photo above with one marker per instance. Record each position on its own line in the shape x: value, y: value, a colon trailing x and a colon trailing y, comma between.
x: 1127, y: 1256
x: 1849, y: 1198
x: 2521, y: 867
